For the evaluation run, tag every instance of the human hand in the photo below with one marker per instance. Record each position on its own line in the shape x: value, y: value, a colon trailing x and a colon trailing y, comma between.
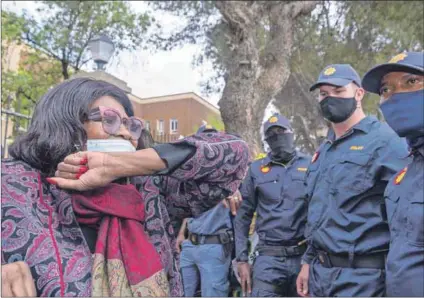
x: 243, y: 269
x: 17, y: 281
x: 83, y: 171
x: 233, y: 202
x: 302, y: 281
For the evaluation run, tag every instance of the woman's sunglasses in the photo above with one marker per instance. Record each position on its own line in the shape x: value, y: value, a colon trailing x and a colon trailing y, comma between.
x: 112, y: 120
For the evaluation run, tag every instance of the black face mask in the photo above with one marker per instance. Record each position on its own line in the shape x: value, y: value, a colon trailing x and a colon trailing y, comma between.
x: 336, y: 109
x: 282, y: 147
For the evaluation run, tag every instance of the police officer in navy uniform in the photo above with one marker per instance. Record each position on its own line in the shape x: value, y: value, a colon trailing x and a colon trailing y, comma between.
x: 400, y: 84
x: 274, y: 188
x: 206, y: 244
x: 348, y: 237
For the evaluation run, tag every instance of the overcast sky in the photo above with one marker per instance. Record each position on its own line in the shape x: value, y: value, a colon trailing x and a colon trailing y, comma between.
x: 150, y: 74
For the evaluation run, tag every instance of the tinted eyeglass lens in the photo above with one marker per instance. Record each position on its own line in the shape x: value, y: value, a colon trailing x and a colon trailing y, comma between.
x: 134, y: 127
x: 111, y: 121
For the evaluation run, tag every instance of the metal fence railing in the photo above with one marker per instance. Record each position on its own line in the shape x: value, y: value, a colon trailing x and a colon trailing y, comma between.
x: 13, y: 123
x: 163, y: 137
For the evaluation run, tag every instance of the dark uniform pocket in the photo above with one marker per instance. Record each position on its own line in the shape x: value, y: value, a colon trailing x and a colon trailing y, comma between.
x: 296, y: 188
x: 350, y: 175
x: 298, y: 176
x: 415, y: 220
x: 270, y: 188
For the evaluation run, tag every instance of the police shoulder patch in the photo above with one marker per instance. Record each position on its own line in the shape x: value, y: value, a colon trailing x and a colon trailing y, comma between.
x: 400, y: 176
x: 265, y: 169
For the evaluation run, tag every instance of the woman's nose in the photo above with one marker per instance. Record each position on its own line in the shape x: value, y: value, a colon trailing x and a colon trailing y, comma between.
x: 124, y: 132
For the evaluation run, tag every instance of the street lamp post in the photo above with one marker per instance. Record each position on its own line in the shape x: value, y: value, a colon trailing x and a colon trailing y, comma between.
x: 101, y: 48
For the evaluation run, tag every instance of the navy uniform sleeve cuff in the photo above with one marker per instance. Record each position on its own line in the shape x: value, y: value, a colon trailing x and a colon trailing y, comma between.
x: 303, y: 262
x: 174, y: 155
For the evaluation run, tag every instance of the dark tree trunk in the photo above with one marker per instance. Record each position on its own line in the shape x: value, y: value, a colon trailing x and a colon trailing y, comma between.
x: 254, y: 75
x: 65, y: 72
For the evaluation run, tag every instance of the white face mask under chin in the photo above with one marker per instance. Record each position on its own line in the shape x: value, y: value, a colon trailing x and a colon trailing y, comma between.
x: 110, y: 145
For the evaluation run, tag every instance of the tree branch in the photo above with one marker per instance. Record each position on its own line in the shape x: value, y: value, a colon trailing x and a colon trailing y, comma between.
x: 40, y: 47
x: 70, y: 28
x: 21, y: 91
x: 278, y: 49
x: 306, y: 131
x: 77, y: 62
x: 235, y: 13
x: 299, y: 8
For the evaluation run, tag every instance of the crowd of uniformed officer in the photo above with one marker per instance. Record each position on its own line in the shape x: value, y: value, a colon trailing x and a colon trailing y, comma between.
x: 348, y: 221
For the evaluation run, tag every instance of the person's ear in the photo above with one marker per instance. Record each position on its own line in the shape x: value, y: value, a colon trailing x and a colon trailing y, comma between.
x: 359, y: 95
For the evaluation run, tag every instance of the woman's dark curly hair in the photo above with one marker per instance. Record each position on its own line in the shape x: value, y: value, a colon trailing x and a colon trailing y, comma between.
x: 56, y: 128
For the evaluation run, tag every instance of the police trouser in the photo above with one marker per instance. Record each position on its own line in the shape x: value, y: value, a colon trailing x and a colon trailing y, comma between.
x: 331, y: 275
x: 207, y: 264
x: 275, y: 271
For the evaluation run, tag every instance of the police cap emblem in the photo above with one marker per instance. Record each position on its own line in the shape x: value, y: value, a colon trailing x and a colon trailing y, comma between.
x: 398, y: 57
x: 329, y: 71
x: 273, y: 119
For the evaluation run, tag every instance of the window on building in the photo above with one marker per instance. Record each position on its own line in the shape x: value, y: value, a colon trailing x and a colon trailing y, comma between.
x: 173, y: 125
x: 160, y: 127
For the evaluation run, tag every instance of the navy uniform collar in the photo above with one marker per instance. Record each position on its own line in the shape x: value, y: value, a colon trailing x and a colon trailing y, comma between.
x: 364, y: 125
x: 267, y: 160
